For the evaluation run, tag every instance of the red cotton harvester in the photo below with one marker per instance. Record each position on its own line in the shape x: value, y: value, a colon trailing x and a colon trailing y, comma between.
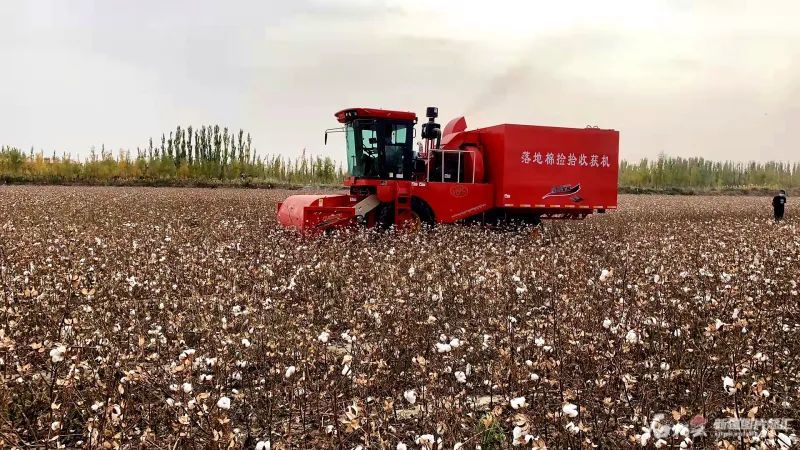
x: 498, y: 174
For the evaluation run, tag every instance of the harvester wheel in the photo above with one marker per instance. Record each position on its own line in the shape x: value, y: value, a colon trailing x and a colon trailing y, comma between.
x: 422, y: 213
x: 384, y: 216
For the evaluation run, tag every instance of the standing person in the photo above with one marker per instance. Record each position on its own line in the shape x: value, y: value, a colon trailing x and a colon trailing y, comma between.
x: 778, y: 203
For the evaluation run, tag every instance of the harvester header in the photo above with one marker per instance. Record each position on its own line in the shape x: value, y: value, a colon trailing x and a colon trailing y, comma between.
x: 498, y: 174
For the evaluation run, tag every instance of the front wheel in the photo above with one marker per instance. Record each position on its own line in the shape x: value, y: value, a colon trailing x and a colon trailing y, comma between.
x: 384, y: 216
x: 423, y: 214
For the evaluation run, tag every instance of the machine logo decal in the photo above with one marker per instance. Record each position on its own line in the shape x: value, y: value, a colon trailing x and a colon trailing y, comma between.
x: 563, y: 190
x: 459, y: 191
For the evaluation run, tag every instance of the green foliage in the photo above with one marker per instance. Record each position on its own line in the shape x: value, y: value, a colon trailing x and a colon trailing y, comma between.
x: 191, y: 154
x: 490, y: 432
x: 698, y: 173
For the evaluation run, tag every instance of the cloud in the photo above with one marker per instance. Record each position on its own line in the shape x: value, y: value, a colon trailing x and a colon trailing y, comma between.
x: 710, y: 79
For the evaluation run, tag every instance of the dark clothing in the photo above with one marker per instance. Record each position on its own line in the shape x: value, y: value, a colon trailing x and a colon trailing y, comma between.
x: 778, y: 203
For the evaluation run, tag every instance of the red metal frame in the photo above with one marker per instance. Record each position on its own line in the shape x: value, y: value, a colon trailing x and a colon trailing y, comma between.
x: 372, y: 113
x: 548, y: 172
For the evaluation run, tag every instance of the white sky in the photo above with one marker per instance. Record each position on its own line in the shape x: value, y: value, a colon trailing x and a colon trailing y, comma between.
x: 718, y: 78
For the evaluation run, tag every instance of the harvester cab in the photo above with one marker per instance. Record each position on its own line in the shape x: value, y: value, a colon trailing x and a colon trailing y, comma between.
x: 500, y: 173
x: 379, y: 143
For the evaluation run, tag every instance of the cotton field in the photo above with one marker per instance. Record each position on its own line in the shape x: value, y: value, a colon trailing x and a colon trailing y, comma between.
x: 181, y: 318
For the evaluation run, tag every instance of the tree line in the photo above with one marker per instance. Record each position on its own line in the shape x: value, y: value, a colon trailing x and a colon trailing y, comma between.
x: 207, y: 153
x: 214, y: 153
x: 667, y: 172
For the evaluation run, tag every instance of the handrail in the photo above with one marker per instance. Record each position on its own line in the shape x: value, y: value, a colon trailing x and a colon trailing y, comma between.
x: 445, y: 152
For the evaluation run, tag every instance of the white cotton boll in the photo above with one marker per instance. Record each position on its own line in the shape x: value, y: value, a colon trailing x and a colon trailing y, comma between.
x: 765, y: 393
x: 246, y: 342
x: 457, y: 446
x: 660, y: 443
x: 784, y: 441
x: 187, y: 387
x: 539, y: 341
x: 263, y: 445
x: 607, y: 323
x: 174, y: 387
x: 224, y: 403
x: 410, y: 396
x: 604, y: 274
x: 346, y: 370
x: 461, y: 377
x: 718, y: 324
x: 442, y: 337
x: 323, y: 337
x: 572, y: 428
x: 656, y: 278
x: 401, y: 446
x: 680, y: 429
x: 518, y: 402
x: 570, y: 410
x: 426, y: 440
x: 411, y: 271
x: 346, y: 336
x: 443, y: 348
x: 534, y: 377
x: 664, y: 366
x: 632, y: 337
x: 57, y: 353
x: 644, y: 438
x: 728, y: 385
x: 289, y: 371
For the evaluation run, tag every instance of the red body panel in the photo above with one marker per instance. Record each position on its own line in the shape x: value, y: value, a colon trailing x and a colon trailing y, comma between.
x: 311, y: 212
x: 452, y: 202
x: 548, y: 167
x: 372, y: 113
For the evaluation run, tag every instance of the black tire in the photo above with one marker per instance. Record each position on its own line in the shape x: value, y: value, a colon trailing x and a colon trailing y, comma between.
x: 385, y: 216
x: 423, y: 211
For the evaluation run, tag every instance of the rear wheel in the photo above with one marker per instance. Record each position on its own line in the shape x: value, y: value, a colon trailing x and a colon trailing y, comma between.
x: 422, y: 214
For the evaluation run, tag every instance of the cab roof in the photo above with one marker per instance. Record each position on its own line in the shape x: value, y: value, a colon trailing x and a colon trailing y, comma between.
x: 349, y: 114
